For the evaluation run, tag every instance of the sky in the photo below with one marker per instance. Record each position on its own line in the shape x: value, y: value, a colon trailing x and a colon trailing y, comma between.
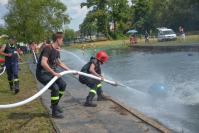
x: 75, y: 12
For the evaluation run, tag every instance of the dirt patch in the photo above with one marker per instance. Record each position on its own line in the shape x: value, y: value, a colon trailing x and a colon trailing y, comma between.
x: 118, y: 109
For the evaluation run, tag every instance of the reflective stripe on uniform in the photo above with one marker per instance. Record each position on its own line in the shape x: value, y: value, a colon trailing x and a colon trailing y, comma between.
x: 93, y: 91
x: 15, y: 80
x: 61, y: 92
x: 99, y: 85
x: 55, y: 98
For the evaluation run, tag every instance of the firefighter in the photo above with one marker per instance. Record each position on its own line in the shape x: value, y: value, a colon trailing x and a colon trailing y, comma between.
x: 46, y: 69
x: 93, y: 67
x: 11, y: 62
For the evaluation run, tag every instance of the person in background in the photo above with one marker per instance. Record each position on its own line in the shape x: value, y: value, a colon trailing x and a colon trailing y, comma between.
x: 35, y: 50
x: 43, y: 44
x: 182, y: 33
x: 11, y: 62
x: 133, y: 39
x: 146, y: 36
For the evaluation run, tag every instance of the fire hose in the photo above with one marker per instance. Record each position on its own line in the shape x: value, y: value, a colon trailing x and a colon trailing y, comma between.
x: 45, y: 88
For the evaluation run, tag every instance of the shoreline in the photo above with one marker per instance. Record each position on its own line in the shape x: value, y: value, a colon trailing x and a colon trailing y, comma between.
x: 125, y: 43
x: 166, y: 48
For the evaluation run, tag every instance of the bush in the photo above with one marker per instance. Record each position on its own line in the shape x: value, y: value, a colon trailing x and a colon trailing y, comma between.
x: 117, y: 35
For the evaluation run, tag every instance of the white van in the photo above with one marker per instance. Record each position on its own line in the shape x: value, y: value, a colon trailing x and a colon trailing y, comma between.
x: 166, y: 34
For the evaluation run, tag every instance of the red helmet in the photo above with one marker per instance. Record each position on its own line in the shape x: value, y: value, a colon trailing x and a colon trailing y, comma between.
x: 102, y: 56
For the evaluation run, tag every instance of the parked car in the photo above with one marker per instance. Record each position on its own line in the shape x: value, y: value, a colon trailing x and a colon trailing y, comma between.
x: 165, y: 34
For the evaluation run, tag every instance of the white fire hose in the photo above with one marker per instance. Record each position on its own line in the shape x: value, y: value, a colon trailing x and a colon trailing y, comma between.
x: 35, y: 57
x: 3, y: 70
x: 45, y: 88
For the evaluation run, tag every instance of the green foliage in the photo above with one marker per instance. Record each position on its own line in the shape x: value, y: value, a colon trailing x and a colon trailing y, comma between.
x: 69, y: 34
x: 150, y: 14
x: 101, y: 13
x: 3, y: 31
x: 142, y: 15
x: 184, y: 13
x: 89, y: 25
x: 119, y: 14
x: 117, y: 35
x: 35, y: 19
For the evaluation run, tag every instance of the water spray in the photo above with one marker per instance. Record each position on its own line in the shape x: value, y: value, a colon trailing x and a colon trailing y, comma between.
x: 3, y: 70
x: 71, y: 53
x: 35, y: 57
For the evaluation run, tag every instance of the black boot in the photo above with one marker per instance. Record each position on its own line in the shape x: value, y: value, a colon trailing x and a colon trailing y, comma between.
x: 56, y: 113
x: 100, y: 96
x: 59, y: 109
x: 16, y: 86
x: 89, y: 100
x: 11, y: 85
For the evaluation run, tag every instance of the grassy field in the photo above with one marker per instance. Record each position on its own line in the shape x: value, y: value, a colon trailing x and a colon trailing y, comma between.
x: 30, y: 118
x: 125, y: 43
x: 113, y: 43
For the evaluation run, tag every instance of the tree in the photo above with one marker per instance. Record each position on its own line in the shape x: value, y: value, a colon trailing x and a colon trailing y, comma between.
x: 142, y: 9
x: 183, y: 13
x: 3, y: 30
x: 69, y: 34
x: 99, y: 12
x: 119, y: 12
x: 35, y: 19
x: 89, y: 25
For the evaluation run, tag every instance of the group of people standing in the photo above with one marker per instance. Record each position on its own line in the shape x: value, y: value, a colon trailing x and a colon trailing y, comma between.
x: 48, y: 61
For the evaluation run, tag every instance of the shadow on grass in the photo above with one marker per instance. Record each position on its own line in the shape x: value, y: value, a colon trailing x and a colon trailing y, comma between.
x: 27, y: 117
x: 5, y: 92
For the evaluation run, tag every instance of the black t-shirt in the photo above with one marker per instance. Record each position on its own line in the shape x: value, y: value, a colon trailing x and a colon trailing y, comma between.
x: 86, y: 68
x: 52, y: 54
x: 94, y: 61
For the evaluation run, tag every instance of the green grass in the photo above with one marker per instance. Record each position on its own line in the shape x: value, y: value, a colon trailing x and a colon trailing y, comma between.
x: 30, y: 118
x: 98, y: 44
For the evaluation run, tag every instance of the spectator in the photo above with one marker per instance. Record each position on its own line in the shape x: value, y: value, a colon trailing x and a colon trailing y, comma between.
x: 146, y: 36
x: 133, y: 39
x: 182, y: 33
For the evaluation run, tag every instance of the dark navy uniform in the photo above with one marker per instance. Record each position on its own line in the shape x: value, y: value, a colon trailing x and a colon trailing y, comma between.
x: 12, y: 66
x: 94, y: 85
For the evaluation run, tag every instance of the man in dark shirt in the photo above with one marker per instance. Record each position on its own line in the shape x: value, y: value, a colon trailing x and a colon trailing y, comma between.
x: 46, y: 69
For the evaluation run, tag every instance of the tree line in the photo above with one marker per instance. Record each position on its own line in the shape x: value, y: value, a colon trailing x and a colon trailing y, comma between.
x: 34, y: 20
x: 114, y: 18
